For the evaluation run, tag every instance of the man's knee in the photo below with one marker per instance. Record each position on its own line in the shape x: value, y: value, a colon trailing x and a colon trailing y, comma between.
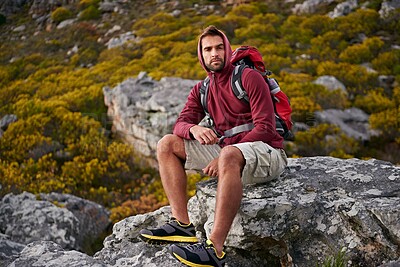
x: 231, y: 158
x: 170, y: 143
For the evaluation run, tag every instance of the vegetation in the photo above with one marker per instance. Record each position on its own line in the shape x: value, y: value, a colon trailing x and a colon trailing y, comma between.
x: 339, y: 260
x: 61, y: 142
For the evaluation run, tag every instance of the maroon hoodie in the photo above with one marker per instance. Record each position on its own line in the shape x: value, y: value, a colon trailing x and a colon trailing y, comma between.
x: 226, y: 110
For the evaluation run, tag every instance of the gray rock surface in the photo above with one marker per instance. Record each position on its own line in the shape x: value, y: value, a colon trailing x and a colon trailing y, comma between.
x: 317, y: 207
x: 142, y: 110
x: 353, y: 122
x: 320, y: 205
x: 388, y: 6
x: 8, y: 7
x: 7, y: 120
x: 344, y: 8
x: 310, y: 6
x: 71, y: 222
x: 330, y: 82
x: 50, y: 254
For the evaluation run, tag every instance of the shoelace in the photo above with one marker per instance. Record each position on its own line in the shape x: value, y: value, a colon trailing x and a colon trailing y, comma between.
x: 198, y: 246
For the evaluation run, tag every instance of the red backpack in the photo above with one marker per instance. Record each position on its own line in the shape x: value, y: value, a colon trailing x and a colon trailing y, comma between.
x: 249, y: 57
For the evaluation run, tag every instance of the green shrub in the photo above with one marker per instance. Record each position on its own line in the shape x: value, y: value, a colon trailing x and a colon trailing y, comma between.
x: 374, y: 102
x: 318, y: 24
x: 90, y: 13
x: 361, y: 53
x: 364, y: 21
x: 86, y: 3
x: 388, y: 123
x: 60, y: 14
x: 327, y: 46
x: 355, y: 77
x: 324, y: 140
x: 294, y: 35
x: 387, y: 63
x: 265, y: 33
x: 86, y: 57
x: 339, y: 260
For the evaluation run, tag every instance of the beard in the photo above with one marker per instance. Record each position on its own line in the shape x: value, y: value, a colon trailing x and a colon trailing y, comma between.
x: 216, y: 65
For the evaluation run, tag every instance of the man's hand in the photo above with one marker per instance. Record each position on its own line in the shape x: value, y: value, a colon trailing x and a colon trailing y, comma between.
x: 212, y: 168
x: 204, y: 135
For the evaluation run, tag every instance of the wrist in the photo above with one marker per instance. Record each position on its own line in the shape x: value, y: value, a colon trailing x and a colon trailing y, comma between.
x: 191, y: 133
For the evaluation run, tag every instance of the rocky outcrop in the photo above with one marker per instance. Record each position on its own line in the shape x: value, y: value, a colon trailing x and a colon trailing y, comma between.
x: 310, y: 6
x: 388, y: 6
x: 343, y: 9
x: 331, y: 83
x: 8, y: 7
x: 353, y: 122
x: 6, y: 121
x: 71, y: 222
x: 41, y: 7
x: 142, y: 110
x: 319, y: 206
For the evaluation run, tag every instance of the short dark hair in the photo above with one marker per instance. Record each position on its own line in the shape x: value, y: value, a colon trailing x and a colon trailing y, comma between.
x: 210, y: 31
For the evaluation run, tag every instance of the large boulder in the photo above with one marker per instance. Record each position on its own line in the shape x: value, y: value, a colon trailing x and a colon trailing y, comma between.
x: 71, y: 222
x: 352, y: 121
x: 319, y: 206
x: 142, y: 110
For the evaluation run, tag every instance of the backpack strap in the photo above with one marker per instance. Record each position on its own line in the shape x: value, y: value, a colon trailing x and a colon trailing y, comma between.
x: 204, y: 93
x: 203, y: 99
x: 236, y: 83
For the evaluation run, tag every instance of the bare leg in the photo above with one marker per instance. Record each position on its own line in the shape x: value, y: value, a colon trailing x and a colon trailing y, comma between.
x: 229, y: 194
x: 171, y: 155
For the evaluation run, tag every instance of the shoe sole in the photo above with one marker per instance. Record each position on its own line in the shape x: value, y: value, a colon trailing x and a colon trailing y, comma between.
x: 159, y: 240
x: 188, y: 263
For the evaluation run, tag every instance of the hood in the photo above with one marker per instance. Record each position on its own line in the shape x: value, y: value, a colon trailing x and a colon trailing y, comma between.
x: 228, y: 54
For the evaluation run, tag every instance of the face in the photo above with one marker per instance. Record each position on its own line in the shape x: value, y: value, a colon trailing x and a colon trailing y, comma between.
x: 213, y: 51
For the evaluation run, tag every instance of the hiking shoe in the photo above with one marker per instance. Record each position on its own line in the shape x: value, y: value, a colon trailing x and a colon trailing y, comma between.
x: 200, y: 254
x: 171, y: 232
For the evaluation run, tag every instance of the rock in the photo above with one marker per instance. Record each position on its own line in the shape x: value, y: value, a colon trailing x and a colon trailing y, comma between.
x: 75, y: 225
x: 49, y: 254
x: 319, y: 206
x: 387, y: 82
x: 343, y: 9
x: 8, y: 7
x: 66, y: 23
x: 310, y: 6
x: 43, y: 148
x: 121, y: 39
x: 20, y: 28
x: 387, y: 7
x: 353, y: 122
x: 330, y: 82
x: 7, y: 120
x: 142, y: 110
x: 41, y: 7
x: 8, y: 250
x: 93, y: 218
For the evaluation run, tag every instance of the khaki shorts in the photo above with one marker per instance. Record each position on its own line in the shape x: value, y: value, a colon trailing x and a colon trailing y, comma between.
x: 263, y: 162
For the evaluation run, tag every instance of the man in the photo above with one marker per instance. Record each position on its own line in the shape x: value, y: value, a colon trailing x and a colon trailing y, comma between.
x: 252, y: 156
